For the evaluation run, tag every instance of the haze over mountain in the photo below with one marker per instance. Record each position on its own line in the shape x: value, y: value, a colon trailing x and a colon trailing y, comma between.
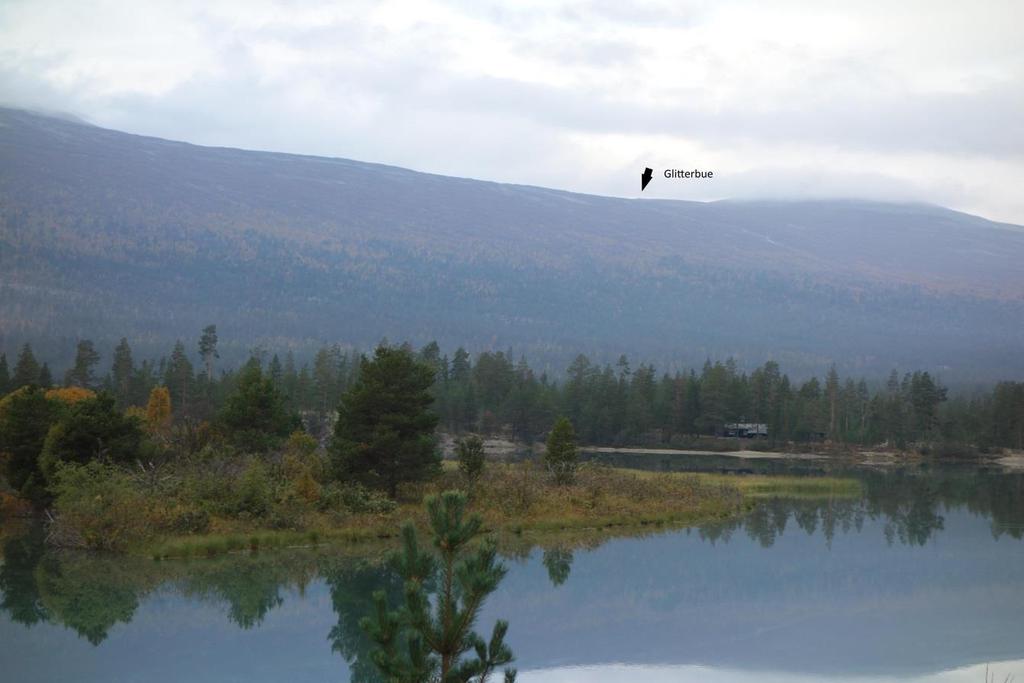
x: 104, y: 234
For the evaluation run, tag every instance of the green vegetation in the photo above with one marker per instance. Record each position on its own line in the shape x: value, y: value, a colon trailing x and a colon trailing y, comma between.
x: 25, y: 418
x: 255, y: 416
x: 428, y: 640
x: 609, y: 405
x: 385, y: 431
x: 561, y: 456
x: 469, y: 453
x: 196, y: 465
x: 87, y: 431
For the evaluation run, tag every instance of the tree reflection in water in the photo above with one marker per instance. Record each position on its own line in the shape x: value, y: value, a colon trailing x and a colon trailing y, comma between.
x: 91, y: 594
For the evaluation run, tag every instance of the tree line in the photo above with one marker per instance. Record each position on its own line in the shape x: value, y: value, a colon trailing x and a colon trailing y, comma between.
x: 493, y: 393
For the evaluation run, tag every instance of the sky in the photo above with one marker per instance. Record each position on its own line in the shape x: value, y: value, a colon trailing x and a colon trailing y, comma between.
x: 903, y: 101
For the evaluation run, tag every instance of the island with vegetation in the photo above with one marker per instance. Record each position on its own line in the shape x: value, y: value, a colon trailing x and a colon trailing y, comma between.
x: 162, y: 460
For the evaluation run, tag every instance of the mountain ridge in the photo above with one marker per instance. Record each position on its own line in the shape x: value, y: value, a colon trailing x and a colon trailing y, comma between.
x: 121, y: 223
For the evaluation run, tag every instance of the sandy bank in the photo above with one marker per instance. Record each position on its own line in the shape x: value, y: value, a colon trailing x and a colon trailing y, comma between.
x: 747, y: 455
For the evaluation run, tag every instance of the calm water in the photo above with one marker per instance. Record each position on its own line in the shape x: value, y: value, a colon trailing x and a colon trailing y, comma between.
x: 922, y: 579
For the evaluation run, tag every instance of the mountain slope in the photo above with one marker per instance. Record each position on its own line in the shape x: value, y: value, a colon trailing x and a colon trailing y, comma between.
x: 104, y: 233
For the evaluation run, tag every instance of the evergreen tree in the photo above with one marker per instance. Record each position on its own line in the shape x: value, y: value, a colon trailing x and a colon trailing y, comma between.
x: 143, y: 380
x: 208, y: 349
x: 179, y: 378
x: 45, y: 377
x: 255, y: 415
x: 26, y: 370
x: 832, y: 394
x: 275, y: 372
x: 714, y: 389
x: 470, y: 454
x: 432, y: 639
x: 558, y: 562
x: 385, y: 430
x: 461, y: 367
x: 290, y: 380
x: 121, y: 371
x: 325, y: 378
x: 81, y: 373
x: 561, y: 455
x: 25, y: 418
x: 461, y: 403
x: 5, y: 375
x: 93, y: 429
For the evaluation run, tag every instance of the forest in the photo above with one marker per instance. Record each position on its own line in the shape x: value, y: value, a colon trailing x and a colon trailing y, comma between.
x: 496, y: 394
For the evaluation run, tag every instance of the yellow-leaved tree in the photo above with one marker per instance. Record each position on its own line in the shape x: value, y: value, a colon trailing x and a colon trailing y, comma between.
x: 158, y: 410
x: 70, y: 395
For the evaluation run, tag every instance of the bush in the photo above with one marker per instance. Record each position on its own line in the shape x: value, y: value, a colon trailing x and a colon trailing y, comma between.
x: 254, y: 495
x: 354, y: 498
x: 96, y: 507
x: 190, y: 520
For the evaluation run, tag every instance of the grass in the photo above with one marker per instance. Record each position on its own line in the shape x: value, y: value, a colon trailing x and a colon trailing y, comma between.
x: 519, y: 500
x: 771, y: 486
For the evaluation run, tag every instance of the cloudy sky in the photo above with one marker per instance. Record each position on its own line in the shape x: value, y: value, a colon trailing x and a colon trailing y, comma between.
x: 890, y: 100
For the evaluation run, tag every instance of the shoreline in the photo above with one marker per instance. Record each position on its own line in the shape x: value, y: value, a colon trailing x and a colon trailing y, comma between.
x: 605, y: 502
x: 743, y: 454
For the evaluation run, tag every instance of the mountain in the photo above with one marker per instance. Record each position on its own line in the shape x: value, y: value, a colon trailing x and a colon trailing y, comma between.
x: 104, y: 234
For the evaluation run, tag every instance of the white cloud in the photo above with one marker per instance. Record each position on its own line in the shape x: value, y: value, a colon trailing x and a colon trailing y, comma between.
x: 917, y: 100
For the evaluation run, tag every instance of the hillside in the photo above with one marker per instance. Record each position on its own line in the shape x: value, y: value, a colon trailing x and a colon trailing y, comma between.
x: 104, y: 234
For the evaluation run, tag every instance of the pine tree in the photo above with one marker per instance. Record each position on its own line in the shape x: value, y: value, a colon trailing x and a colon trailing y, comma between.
x: 275, y: 372
x: 178, y: 378
x: 121, y: 372
x: 290, y: 380
x: 81, y: 373
x: 470, y: 454
x: 385, y: 430
x: 255, y: 415
x: 5, y: 375
x: 561, y: 454
x: 26, y: 370
x: 208, y: 349
x: 433, y: 639
x: 45, y: 377
x: 832, y: 392
x: 325, y: 377
x: 25, y: 418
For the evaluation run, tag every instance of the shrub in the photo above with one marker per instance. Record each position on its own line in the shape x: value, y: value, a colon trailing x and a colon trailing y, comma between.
x: 305, y: 487
x: 96, y: 507
x: 355, y: 498
x: 301, y: 445
x: 254, y: 495
x: 190, y: 520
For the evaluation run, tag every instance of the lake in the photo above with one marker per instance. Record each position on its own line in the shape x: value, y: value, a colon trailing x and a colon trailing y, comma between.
x: 921, y: 579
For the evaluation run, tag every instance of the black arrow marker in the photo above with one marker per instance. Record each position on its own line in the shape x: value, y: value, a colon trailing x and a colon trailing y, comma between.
x: 645, y: 178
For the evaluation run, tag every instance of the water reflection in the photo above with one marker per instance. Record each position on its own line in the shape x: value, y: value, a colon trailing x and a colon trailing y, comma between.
x: 558, y: 562
x: 352, y: 588
x: 803, y: 586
